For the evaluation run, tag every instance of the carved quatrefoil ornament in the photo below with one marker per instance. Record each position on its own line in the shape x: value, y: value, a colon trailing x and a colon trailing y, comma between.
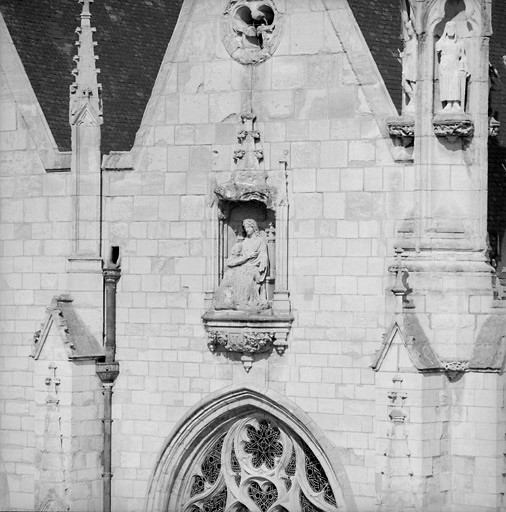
x: 251, y: 30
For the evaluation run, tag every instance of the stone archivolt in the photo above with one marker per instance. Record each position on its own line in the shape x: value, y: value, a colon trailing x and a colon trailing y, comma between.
x: 258, y: 465
x: 248, y: 449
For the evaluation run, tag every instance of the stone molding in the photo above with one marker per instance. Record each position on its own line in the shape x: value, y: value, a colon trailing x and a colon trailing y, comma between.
x: 214, y: 415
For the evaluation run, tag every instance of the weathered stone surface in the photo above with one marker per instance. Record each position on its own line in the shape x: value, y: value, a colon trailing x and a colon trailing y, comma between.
x: 340, y: 197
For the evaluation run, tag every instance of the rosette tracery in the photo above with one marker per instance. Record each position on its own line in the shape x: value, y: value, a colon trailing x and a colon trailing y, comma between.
x: 259, y: 466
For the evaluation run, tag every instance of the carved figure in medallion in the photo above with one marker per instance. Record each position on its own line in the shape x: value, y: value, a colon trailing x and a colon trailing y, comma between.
x: 243, y: 285
x: 251, y: 30
x: 253, y: 24
x: 453, y: 70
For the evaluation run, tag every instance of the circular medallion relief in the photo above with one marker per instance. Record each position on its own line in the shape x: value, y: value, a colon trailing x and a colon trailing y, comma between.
x: 251, y: 30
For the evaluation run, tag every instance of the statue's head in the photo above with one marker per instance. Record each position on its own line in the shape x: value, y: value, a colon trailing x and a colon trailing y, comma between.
x: 250, y: 226
x: 451, y: 29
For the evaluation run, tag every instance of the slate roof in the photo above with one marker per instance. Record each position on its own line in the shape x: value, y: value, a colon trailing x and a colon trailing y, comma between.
x: 380, y: 23
x: 497, y: 147
x: 43, y: 33
x: 132, y: 37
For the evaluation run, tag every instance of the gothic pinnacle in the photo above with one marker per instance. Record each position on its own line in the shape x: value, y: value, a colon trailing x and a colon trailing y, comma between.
x: 85, y: 92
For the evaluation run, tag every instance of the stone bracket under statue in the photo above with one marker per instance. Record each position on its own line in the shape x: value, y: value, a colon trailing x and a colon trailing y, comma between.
x: 249, y: 307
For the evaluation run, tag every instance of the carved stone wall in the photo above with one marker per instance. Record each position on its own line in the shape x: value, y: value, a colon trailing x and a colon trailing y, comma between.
x: 67, y: 428
x: 340, y: 193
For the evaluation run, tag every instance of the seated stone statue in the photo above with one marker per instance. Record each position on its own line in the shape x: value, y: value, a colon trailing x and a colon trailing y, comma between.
x: 243, y: 285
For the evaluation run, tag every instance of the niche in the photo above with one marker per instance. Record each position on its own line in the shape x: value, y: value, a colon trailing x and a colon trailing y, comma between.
x: 248, y: 304
x: 451, y: 61
x: 454, y: 72
x: 235, y: 245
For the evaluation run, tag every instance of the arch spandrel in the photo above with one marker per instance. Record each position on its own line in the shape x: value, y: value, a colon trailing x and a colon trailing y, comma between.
x: 227, y: 415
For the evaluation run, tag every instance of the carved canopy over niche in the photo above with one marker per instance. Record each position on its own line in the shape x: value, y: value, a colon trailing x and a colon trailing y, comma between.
x: 259, y: 466
x: 251, y: 30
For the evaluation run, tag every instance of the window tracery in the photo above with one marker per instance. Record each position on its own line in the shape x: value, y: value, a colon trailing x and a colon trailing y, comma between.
x: 259, y: 466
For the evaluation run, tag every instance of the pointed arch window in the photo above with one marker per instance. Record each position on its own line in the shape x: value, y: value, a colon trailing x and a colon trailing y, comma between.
x: 258, y: 465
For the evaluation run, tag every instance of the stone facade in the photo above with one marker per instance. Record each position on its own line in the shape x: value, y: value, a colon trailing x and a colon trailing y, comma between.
x: 390, y: 373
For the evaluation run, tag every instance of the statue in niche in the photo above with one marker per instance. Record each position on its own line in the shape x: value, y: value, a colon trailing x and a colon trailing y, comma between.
x: 409, y: 59
x: 453, y: 70
x: 243, y: 287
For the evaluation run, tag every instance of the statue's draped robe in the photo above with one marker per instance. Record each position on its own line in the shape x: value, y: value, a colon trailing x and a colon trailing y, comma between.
x: 243, y: 285
x: 452, y: 71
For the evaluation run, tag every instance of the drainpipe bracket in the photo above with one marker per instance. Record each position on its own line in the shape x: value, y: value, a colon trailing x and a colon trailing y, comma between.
x: 107, y: 372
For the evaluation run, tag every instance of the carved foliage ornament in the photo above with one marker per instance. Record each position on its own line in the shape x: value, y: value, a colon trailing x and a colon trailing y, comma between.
x: 453, y: 128
x: 257, y: 466
x: 401, y: 129
x: 251, y: 30
x: 246, y: 342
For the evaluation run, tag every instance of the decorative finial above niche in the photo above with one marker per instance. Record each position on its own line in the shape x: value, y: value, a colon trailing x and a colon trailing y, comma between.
x: 251, y: 30
x: 249, y: 177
